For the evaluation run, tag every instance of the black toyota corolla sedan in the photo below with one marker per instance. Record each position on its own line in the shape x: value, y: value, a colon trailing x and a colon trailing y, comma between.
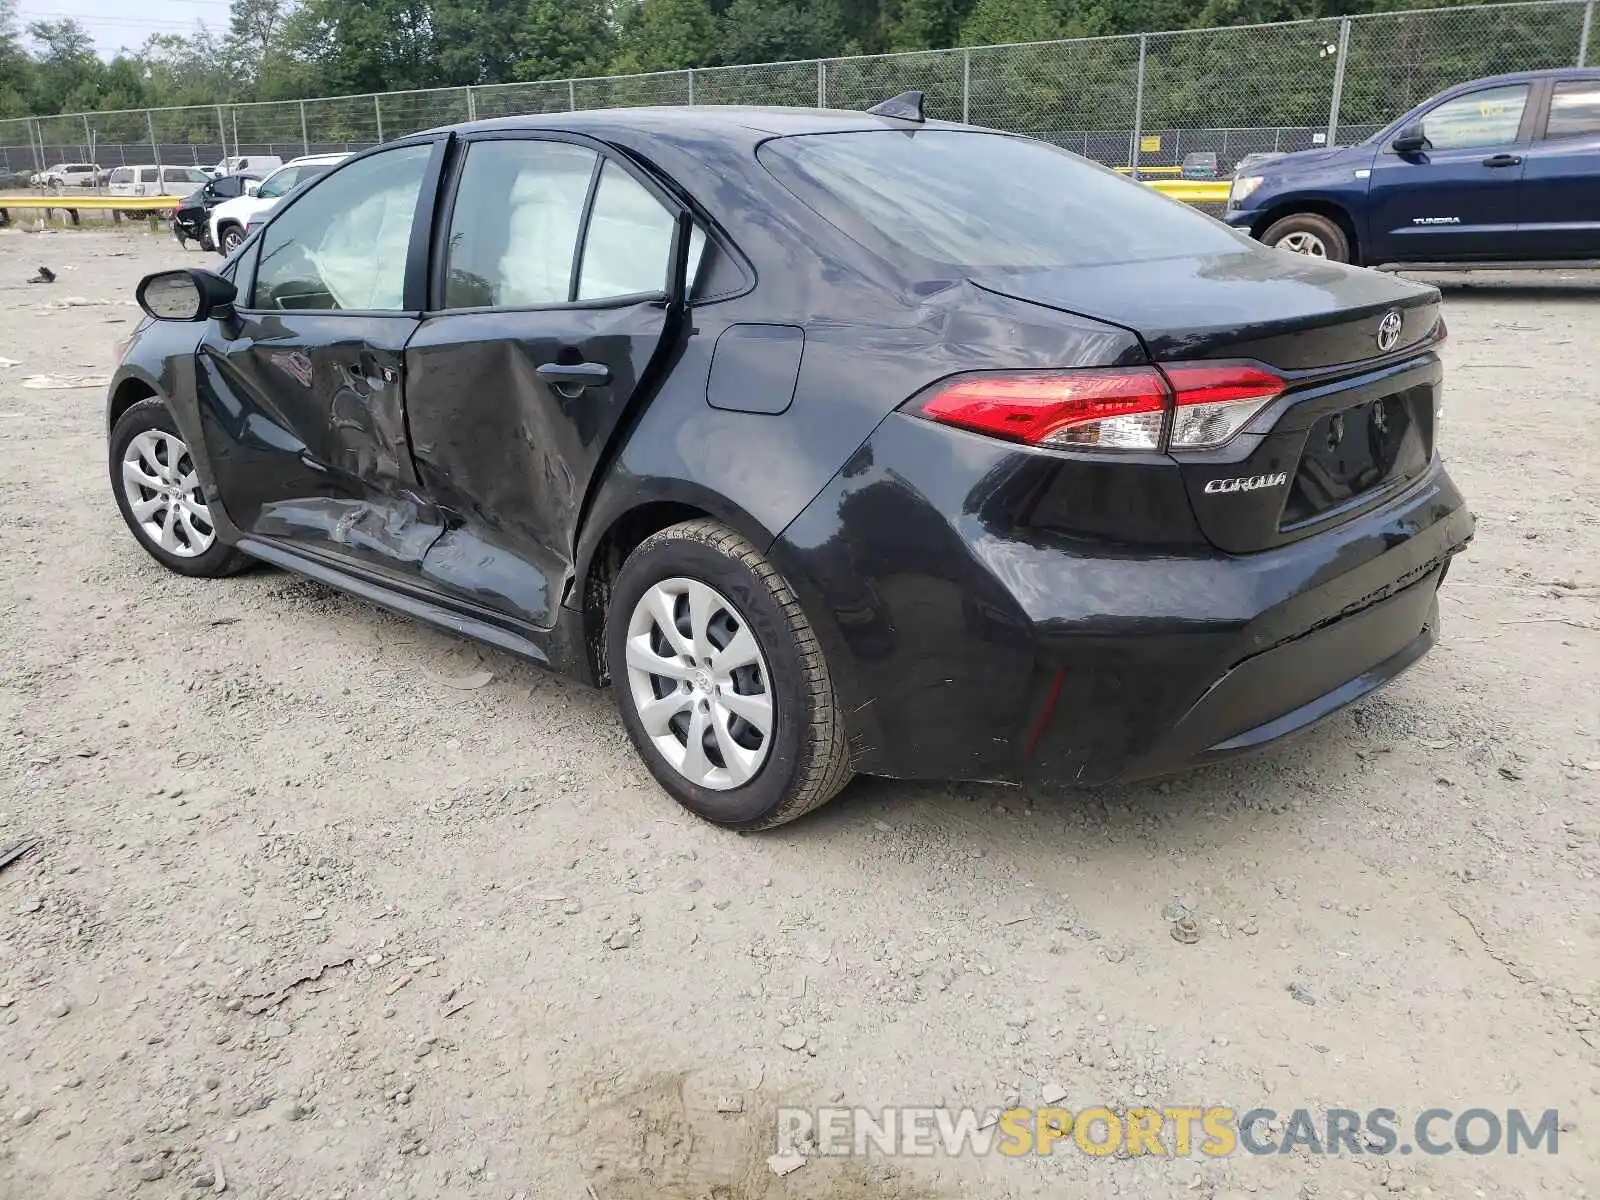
x: 832, y: 442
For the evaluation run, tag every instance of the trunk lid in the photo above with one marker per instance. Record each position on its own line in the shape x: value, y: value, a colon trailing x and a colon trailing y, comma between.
x: 1284, y: 310
x: 1356, y: 424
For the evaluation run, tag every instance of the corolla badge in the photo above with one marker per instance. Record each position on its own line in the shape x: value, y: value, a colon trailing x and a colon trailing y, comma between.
x: 1389, y: 330
x: 1246, y: 483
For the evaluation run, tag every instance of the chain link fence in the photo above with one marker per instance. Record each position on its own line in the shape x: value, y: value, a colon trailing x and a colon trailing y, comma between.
x: 1143, y: 101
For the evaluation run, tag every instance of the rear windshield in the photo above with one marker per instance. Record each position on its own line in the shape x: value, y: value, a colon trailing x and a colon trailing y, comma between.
x: 967, y: 199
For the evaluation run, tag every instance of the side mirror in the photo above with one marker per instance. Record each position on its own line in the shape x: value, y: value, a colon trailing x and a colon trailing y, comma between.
x: 252, y: 187
x: 1411, y: 140
x: 192, y: 295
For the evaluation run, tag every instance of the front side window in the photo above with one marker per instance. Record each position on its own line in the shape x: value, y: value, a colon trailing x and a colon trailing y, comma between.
x: 122, y: 175
x: 514, y: 230
x: 971, y: 200
x: 1477, y: 120
x: 1574, y: 109
x: 343, y: 245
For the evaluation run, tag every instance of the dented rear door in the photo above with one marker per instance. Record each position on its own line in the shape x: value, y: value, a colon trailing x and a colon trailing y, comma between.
x: 549, y: 297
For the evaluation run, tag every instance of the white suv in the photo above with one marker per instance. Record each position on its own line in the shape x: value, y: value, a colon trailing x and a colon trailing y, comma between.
x: 152, y: 180
x: 231, y: 218
x: 67, y: 175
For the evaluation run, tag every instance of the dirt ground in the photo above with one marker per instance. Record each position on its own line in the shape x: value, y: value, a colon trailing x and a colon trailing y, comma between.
x: 312, y: 917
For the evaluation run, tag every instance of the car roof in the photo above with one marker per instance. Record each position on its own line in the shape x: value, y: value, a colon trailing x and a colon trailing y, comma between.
x: 729, y: 123
x: 313, y: 159
x: 1531, y: 76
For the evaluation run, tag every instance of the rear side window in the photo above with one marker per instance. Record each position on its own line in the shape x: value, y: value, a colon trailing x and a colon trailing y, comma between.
x: 1574, y: 109
x: 628, y: 249
x: 514, y: 230
x: 147, y: 174
x: 1478, y: 119
x: 969, y: 200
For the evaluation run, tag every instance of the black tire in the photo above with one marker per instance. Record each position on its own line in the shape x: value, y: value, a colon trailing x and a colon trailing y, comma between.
x: 808, y: 760
x: 1311, y: 226
x: 217, y: 561
x: 231, y: 236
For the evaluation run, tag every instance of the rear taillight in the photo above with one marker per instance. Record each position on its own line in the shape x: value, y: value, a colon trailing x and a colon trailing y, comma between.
x: 1120, y: 409
x: 1215, y: 402
x: 1113, y: 409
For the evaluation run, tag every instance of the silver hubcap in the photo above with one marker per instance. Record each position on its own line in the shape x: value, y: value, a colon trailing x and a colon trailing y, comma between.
x: 163, y: 492
x: 699, y: 683
x: 1301, y: 242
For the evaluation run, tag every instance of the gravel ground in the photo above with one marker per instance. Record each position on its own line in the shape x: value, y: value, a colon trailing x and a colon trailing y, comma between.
x: 313, y: 916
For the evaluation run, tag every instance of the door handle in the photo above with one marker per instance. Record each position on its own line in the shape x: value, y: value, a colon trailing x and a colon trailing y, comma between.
x: 1503, y: 160
x: 576, y: 375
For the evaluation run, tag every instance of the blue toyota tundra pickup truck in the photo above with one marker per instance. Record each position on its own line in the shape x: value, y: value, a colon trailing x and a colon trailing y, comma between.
x: 1493, y: 172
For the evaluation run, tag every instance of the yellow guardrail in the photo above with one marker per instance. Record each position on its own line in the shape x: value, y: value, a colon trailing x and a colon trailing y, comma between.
x: 1150, y: 170
x: 117, y: 203
x: 72, y: 205
x: 1193, y: 191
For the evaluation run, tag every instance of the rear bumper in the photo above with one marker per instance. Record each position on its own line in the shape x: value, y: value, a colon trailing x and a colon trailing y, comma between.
x: 1292, y: 687
x: 966, y: 645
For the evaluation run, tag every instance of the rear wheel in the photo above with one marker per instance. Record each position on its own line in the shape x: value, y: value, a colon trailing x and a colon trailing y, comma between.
x: 232, y: 236
x: 158, y: 492
x: 721, y: 680
x: 1309, y: 234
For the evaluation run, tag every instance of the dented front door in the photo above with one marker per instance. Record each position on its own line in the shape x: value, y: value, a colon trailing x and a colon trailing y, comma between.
x: 301, y: 390
x: 306, y: 427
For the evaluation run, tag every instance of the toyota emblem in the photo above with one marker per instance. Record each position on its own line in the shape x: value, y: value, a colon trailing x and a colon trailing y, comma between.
x: 1389, y: 330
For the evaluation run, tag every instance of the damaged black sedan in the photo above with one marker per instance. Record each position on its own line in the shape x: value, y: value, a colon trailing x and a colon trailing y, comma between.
x: 831, y: 442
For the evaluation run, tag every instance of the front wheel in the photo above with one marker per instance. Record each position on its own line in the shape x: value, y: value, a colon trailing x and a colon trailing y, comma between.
x: 158, y: 492
x: 232, y: 236
x: 1309, y: 234
x: 721, y: 680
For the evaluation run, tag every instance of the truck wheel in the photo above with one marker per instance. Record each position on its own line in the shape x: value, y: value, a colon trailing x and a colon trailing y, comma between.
x: 1308, y: 234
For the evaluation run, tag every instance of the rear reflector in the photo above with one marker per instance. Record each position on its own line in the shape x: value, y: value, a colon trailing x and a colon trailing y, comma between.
x: 1122, y: 409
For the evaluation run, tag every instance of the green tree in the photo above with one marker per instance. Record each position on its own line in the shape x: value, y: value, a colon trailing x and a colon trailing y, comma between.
x: 65, y: 65
x: 927, y: 24
x: 668, y: 35
x: 479, y: 41
x: 560, y: 38
x: 755, y: 31
x: 375, y: 46
x: 254, y: 27
x: 16, y: 68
